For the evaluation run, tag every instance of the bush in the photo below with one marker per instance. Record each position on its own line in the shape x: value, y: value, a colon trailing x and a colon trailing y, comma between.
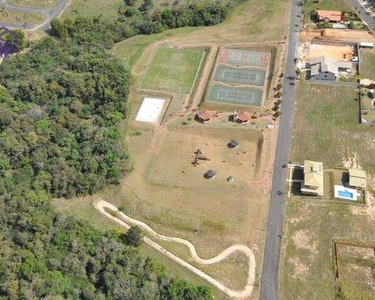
x: 134, y: 236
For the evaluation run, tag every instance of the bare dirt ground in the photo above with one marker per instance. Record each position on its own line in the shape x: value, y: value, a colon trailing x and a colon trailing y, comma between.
x: 343, y: 53
x: 336, y: 34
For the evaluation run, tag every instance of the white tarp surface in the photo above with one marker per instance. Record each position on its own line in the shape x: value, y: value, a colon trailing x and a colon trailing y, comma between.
x: 150, y: 110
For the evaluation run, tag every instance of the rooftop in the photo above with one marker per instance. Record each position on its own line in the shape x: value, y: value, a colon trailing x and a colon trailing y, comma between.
x: 357, y: 178
x: 331, y: 15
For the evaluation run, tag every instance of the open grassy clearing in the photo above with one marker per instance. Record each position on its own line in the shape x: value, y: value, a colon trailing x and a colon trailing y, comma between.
x: 307, y: 267
x: 173, y: 70
x: 326, y: 127
x: 368, y: 63
x: 106, y: 8
x: 30, y: 18
x: 33, y: 3
x: 312, y: 5
x: 82, y: 209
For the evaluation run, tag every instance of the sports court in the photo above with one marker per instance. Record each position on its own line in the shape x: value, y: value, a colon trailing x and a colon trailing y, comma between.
x: 243, y: 57
x: 237, y: 96
x: 150, y: 110
x: 240, y: 75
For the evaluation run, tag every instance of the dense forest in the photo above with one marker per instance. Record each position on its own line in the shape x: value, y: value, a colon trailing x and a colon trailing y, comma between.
x: 61, y: 102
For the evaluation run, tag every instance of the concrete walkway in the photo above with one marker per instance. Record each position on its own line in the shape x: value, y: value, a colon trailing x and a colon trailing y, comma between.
x: 127, y: 222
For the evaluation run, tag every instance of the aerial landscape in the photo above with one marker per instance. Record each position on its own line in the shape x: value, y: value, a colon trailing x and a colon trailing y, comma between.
x: 187, y: 149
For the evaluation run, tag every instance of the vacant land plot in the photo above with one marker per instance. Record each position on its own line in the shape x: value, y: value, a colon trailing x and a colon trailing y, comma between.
x: 344, y: 53
x: 173, y: 70
x: 243, y: 57
x: 235, y: 95
x: 240, y: 75
x: 311, y: 6
x: 33, y: 3
x: 368, y: 63
x: 308, y: 256
x: 327, y: 118
x: 355, y: 265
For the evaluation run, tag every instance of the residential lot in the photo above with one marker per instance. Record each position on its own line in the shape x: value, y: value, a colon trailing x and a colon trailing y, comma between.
x: 327, y: 129
x: 308, y: 262
x: 368, y: 63
x: 312, y: 5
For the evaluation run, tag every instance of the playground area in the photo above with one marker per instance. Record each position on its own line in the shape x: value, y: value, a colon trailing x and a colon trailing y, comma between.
x: 194, y: 152
x: 240, y: 75
x: 234, y: 95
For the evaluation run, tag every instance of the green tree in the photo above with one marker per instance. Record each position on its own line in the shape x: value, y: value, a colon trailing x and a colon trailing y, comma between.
x: 134, y: 236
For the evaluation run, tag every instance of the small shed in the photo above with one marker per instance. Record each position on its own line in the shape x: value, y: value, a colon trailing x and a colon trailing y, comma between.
x: 233, y: 144
x: 205, y: 115
x: 243, y: 117
x: 210, y: 174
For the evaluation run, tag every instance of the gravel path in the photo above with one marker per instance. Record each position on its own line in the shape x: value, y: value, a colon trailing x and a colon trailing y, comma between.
x: 101, y: 205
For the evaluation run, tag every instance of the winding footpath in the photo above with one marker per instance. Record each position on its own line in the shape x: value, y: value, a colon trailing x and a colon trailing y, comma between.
x: 50, y: 13
x: 127, y: 222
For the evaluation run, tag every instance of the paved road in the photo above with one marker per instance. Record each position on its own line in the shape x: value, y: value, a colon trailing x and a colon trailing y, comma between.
x: 271, y: 255
x: 363, y: 13
x: 50, y: 13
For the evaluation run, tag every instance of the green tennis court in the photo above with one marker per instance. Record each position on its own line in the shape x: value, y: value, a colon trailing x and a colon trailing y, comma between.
x: 238, y: 96
x: 243, y: 57
x: 240, y: 76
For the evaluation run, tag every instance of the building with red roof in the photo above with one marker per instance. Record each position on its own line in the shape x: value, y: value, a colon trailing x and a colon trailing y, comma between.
x: 243, y: 117
x: 329, y: 15
x: 205, y: 115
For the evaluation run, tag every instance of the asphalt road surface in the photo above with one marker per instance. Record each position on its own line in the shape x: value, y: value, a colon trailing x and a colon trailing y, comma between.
x: 363, y: 13
x: 50, y: 13
x: 271, y: 255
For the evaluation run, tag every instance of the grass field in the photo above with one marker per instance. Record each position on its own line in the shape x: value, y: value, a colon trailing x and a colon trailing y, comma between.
x: 30, y: 18
x: 33, y: 3
x: 173, y: 70
x: 106, y: 8
x: 312, y: 5
x: 368, y: 63
x: 307, y: 267
x: 240, y: 75
x: 326, y: 118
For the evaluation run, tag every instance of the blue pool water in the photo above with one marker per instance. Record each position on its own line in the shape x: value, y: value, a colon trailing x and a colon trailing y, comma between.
x: 345, y: 194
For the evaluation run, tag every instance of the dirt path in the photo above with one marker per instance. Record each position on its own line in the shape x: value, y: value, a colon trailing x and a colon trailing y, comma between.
x: 100, y: 205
